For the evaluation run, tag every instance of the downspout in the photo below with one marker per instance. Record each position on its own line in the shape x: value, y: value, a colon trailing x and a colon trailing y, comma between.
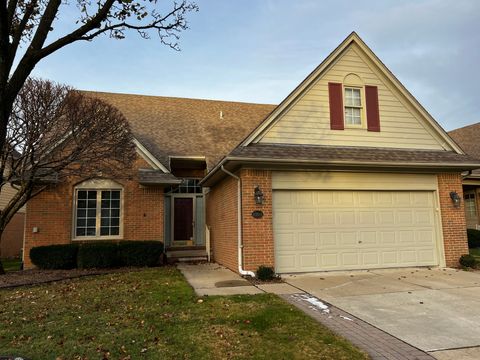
x: 239, y: 222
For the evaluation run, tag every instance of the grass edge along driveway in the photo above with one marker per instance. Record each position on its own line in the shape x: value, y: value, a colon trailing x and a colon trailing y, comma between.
x: 154, y: 314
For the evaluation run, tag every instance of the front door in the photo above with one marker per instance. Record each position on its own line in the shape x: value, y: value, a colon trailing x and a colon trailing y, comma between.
x: 183, y: 221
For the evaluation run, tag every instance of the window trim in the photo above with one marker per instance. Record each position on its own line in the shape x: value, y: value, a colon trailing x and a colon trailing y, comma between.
x: 472, y: 199
x: 362, y: 107
x: 97, y: 185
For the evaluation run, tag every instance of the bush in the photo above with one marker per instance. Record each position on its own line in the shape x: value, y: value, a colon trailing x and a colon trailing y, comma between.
x: 468, y: 261
x: 265, y: 273
x: 55, y: 256
x: 473, y: 238
x: 140, y: 253
x: 98, y: 255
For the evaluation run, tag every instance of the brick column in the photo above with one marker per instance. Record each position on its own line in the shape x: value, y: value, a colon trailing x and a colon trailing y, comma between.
x: 257, y: 233
x: 453, y: 219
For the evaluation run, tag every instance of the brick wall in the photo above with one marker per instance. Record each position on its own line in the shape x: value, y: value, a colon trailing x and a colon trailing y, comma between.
x: 52, y: 210
x: 453, y: 219
x: 221, y: 206
x: 258, y: 246
x: 12, y: 237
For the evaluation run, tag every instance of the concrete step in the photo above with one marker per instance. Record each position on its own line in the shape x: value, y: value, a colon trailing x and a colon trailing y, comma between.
x: 186, y: 255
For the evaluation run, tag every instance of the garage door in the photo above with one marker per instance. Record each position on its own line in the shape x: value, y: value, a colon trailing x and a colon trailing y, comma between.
x: 317, y: 230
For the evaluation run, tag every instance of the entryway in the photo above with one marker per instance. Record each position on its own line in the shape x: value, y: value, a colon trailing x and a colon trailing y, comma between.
x: 183, y: 223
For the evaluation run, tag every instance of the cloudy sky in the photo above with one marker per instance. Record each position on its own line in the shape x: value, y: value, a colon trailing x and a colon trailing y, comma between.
x: 259, y: 50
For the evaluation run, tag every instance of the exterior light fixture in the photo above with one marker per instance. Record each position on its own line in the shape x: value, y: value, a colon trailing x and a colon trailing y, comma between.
x: 258, y: 195
x: 455, y: 199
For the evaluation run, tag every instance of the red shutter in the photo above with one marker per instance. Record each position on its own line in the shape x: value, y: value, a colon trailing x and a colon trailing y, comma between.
x: 373, y: 113
x: 335, y: 94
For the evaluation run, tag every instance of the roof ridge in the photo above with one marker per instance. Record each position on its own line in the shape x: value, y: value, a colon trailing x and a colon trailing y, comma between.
x: 175, y: 97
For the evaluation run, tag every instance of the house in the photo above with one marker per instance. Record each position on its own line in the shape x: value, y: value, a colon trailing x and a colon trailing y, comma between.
x: 467, y: 137
x: 12, y: 237
x: 348, y: 172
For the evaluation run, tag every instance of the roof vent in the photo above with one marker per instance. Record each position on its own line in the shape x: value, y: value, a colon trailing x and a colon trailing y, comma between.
x: 221, y: 115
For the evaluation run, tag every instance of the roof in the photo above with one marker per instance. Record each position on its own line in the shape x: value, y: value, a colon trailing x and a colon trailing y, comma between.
x: 348, y: 157
x: 468, y: 138
x: 154, y: 177
x: 170, y: 126
x: 350, y: 154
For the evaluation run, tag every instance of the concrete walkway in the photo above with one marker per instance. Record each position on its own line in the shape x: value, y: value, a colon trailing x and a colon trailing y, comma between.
x: 214, y: 279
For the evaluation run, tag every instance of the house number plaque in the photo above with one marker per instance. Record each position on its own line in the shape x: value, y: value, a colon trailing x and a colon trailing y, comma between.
x: 257, y: 214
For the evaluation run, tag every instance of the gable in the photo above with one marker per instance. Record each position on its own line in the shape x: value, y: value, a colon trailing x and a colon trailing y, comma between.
x: 305, y: 116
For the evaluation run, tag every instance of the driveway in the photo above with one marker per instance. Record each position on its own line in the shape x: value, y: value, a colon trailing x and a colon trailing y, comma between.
x: 433, y: 310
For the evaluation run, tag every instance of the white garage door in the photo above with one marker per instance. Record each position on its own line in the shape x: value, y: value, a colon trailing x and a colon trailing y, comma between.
x: 316, y: 230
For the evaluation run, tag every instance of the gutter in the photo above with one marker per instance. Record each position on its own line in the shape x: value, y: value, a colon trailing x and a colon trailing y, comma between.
x: 239, y: 222
x: 383, y: 164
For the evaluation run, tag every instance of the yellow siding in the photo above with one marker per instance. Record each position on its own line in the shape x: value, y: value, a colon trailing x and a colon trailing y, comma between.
x: 308, y: 120
x: 6, y: 194
x: 324, y: 180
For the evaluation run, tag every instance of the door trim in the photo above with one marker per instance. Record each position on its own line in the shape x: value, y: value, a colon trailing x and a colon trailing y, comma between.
x: 172, y: 220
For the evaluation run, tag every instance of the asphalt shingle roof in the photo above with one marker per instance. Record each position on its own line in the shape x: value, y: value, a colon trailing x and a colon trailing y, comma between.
x: 169, y: 126
x: 350, y: 154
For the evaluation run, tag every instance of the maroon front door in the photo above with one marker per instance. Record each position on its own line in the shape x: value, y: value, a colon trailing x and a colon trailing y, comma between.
x: 182, y: 219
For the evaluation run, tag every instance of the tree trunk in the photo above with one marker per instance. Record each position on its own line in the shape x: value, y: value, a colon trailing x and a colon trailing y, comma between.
x: 2, y: 270
x: 5, y: 111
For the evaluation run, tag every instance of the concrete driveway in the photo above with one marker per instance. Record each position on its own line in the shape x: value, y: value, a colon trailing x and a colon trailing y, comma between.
x: 432, y: 310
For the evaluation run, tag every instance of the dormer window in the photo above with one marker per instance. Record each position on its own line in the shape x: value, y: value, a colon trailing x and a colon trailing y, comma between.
x: 353, y: 106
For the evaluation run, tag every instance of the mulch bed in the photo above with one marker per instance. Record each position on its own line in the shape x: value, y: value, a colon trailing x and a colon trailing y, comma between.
x: 35, y: 277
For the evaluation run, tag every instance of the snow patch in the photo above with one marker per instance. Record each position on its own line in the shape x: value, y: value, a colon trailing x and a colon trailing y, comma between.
x: 345, y: 318
x: 317, y: 303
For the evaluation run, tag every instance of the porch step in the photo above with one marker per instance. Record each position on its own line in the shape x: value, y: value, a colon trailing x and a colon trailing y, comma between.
x: 186, y: 255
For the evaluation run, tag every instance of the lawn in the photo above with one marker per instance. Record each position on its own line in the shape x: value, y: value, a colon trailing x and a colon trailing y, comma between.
x: 154, y: 314
x: 11, y: 264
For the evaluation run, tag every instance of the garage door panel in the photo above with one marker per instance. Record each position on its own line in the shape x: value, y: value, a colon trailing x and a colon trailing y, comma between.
x: 285, y: 240
x: 326, y: 218
x: 371, y: 258
x: 307, y: 241
x: 332, y: 230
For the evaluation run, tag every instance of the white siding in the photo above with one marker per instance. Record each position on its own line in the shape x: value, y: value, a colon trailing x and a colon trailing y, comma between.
x: 308, y: 120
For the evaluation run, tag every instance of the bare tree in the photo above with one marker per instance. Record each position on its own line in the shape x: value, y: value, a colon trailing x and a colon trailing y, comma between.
x: 56, y: 134
x: 29, y: 24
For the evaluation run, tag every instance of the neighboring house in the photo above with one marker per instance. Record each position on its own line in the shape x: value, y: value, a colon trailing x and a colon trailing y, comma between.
x: 468, y: 138
x: 348, y: 172
x: 12, y: 237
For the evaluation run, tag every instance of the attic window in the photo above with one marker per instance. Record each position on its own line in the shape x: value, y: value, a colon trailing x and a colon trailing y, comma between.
x: 353, y: 106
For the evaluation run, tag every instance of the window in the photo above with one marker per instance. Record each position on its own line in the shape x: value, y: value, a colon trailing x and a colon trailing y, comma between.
x: 470, y: 206
x: 188, y: 186
x: 97, y: 212
x: 353, y: 106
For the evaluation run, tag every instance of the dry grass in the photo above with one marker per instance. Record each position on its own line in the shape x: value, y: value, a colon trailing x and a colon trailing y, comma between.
x: 154, y: 314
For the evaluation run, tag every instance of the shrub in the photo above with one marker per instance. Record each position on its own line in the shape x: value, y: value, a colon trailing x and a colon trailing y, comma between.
x: 265, y: 273
x: 473, y: 238
x: 98, y: 255
x: 468, y: 261
x: 55, y: 256
x: 140, y: 253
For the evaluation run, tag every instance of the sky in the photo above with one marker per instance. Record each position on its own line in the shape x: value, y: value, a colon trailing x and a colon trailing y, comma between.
x: 260, y: 50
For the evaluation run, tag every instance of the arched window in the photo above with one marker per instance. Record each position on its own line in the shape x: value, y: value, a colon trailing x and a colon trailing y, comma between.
x: 98, y: 209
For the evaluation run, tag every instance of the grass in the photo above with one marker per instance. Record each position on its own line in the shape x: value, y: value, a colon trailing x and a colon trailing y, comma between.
x: 11, y: 264
x: 154, y: 314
